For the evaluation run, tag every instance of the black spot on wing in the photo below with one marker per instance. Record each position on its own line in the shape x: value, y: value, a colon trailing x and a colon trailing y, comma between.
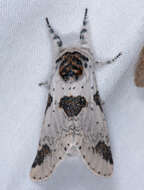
x: 50, y: 99
x: 72, y: 105
x: 41, y: 154
x: 97, y: 100
x: 103, y: 150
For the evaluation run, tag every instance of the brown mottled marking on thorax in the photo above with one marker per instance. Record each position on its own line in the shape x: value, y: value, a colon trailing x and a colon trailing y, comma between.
x: 139, y: 72
x: 72, y: 105
x: 71, y: 65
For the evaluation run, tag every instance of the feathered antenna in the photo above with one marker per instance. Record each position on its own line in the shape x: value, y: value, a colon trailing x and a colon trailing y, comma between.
x: 55, y: 36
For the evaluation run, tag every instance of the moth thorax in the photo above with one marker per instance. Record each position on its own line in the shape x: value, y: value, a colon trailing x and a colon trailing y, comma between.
x: 71, y: 68
x: 71, y: 65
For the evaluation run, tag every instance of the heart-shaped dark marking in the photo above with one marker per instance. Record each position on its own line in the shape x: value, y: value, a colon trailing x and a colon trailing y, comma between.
x: 72, y: 105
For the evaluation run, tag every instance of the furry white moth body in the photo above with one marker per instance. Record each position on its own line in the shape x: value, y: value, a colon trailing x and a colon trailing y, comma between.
x: 74, y: 115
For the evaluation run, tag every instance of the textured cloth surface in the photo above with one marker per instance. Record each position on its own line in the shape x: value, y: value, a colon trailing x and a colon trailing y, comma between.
x: 25, y: 60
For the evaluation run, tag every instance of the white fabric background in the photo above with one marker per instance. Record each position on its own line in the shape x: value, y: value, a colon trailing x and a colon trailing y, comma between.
x: 25, y: 59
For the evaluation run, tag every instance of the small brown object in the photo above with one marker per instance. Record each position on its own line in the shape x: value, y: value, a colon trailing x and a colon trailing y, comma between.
x: 139, y: 72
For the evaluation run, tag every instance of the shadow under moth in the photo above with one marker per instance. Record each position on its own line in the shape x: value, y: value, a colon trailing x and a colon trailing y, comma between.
x: 74, y: 115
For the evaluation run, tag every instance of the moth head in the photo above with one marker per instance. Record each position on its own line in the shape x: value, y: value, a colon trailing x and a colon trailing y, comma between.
x: 83, y: 38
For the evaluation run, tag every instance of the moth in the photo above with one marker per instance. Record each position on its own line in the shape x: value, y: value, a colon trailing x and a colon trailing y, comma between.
x: 74, y: 115
x: 139, y: 72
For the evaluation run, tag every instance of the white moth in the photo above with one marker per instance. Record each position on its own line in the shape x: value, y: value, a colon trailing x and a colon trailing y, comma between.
x: 74, y: 115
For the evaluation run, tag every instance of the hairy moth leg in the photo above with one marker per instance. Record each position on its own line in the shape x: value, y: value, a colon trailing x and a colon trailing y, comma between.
x: 109, y: 61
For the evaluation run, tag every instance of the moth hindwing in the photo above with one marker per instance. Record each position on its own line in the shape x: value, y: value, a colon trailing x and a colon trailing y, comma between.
x: 74, y: 115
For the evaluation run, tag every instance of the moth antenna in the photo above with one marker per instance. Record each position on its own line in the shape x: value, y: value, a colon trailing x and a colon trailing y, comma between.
x: 84, y: 30
x: 55, y: 37
x: 85, y: 17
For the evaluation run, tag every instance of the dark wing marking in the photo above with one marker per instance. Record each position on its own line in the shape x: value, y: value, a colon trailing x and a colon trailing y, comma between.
x: 95, y: 146
x: 54, y: 142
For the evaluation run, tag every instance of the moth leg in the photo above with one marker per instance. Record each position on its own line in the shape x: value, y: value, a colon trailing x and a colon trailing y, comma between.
x: 109, y: 61
x: 43, y: 84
